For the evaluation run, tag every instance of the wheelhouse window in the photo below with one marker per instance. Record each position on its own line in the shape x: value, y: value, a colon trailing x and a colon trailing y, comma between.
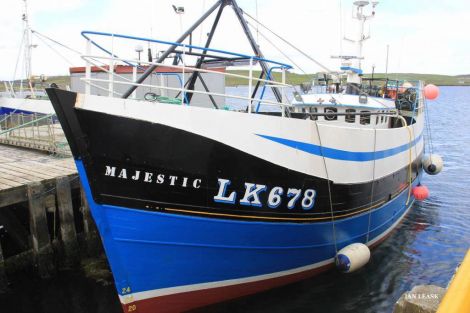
x: 365, y: 118
x: 350, y: 118
x: 313, y: 110
x: 331, y: 117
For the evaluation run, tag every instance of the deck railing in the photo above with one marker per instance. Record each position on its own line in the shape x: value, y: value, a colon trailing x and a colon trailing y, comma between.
x: 108, y: 62
x: 35, y: 131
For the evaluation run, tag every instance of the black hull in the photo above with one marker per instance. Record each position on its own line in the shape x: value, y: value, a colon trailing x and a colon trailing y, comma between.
x: 169, y: 169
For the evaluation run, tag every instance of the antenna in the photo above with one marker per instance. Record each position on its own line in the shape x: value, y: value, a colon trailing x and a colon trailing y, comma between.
x: 351, y: 64
x: 28, y: 44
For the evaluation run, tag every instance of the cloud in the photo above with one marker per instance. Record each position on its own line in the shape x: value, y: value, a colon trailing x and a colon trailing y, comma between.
x: 424, y: 36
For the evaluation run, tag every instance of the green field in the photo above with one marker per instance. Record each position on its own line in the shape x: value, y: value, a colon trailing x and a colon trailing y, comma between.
x: 61, y: 81
x: 295, y: 79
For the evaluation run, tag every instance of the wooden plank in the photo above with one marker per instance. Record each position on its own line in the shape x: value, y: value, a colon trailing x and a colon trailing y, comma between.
x: 17, y: 176
x: 39, y: 231
x: 13, y: 179
x: 38, y: 168
x: 34, y: 169
x: 12, y: 196
x: 4, y: 187
x: 56, y: 166
x: 66, y: 220
x: 8, y: 182
x: 21, y: 170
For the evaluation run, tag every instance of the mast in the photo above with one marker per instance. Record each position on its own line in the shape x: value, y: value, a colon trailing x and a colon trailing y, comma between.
x: 362, y: 18
x: 352, y: 64
x: 172, y: 48
x: 221, y: 4
x: 28, y: 43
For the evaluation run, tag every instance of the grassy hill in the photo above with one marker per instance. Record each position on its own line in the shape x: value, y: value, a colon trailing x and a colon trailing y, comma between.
x: 295, y: 79
x: 61, y: 81
x: 292, y: 78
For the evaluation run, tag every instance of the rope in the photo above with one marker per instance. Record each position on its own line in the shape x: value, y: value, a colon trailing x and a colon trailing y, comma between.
x: 56, y: 42
x: 288, y: 43
x: 329, y: 188
x: 372, y: 187
x: 57, y: 52
x: 305, y: 55
x: 278, y: 49
x: 428, y: 125
x: 18, y: 57
x: 410, y: 130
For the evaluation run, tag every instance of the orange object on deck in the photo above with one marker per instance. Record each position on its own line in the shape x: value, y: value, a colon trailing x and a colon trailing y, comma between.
x: 392, y: 93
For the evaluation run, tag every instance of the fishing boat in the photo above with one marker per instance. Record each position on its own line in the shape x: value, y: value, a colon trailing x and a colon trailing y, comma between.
x: 197, y: 205
x: 22, y: 96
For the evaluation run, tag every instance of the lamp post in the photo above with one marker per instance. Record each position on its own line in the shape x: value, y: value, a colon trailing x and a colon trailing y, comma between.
x: 180, y: 12
x: 139, y: 50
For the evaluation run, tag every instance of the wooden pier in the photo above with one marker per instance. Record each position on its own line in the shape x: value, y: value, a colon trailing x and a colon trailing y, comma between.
x: 44, y: 218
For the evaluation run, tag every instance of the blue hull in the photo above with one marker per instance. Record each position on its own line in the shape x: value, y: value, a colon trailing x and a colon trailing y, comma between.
x: 155, y: 255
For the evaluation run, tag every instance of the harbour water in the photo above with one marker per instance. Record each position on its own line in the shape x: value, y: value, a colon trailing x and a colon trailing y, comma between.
x: 425, y: 248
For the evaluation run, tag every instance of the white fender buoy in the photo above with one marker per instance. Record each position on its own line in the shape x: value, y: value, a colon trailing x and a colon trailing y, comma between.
x: 433, y: 164
x: 352, y: 257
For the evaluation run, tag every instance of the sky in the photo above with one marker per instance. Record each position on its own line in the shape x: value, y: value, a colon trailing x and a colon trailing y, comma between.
x: 424, y: 36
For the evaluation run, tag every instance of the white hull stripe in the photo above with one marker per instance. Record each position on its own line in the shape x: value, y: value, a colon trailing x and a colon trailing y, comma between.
x: 238, y: 130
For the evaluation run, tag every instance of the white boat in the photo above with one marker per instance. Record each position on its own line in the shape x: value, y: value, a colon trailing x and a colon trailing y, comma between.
x: 21, y: 96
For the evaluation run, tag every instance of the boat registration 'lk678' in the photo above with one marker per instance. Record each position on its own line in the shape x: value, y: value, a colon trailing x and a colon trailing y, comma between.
x: 251, y: 195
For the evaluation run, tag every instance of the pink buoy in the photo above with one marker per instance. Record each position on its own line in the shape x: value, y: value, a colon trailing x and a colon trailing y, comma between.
x: 431, y: 92
x: 420, y: 192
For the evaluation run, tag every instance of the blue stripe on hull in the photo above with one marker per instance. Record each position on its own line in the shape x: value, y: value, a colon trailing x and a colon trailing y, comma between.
x: 152, y: 250
x: 6, y: 110
x: 344, y: 155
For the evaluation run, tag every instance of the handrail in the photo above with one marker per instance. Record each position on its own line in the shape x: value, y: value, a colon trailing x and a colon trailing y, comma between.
x: 273, y: 103
x: 87, y: 57
x: 91, y: 59
x: 86, y: 33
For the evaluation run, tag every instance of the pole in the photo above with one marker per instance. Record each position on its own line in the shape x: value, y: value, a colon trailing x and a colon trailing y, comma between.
x: 254, y: 45
x: 195, y: 75
x: 88, y: 68
x: 386, y: 62
x: 250, y: 84
x: 172, y: 48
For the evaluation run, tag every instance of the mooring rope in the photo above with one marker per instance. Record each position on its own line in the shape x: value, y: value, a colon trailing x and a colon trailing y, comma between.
x: 373, y: 184
x: 329, y: 188
x: 410, y: 131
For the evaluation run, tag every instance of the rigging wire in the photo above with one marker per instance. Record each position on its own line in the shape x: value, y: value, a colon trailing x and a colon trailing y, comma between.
x: 18, y: 56
x: 341, y: 29
x: 305, y: 55
x: 257, y: 29
x: 329, y: 188
x: 373, y: 184
x: 288, y: 43
x: 279, y: 50
x: 55, y: 41
x: 57, y: 52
